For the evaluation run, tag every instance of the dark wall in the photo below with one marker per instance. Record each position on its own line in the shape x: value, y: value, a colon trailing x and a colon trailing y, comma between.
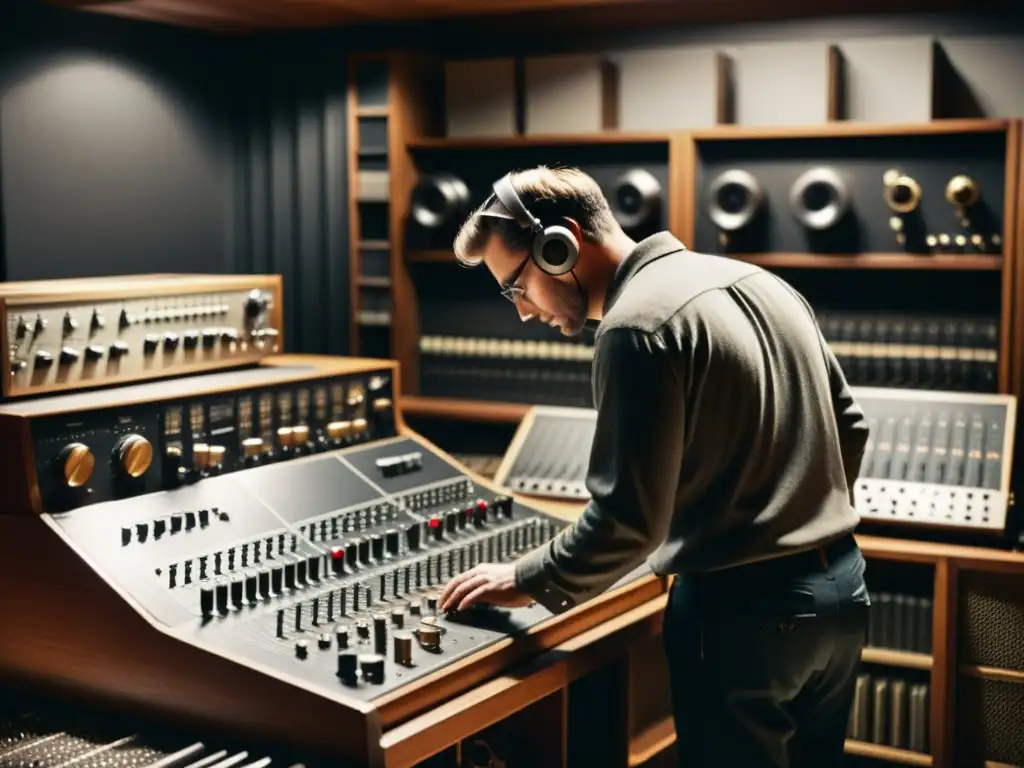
x: 113, y: 152
x: 130, y: 147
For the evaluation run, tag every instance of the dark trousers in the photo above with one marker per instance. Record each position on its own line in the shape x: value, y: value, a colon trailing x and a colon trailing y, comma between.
x: 763, y: 659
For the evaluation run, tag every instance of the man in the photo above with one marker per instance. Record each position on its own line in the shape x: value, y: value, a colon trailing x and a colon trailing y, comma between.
x: 725, y: 449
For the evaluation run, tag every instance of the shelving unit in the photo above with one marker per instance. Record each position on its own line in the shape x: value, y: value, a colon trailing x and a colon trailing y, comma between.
x: 957, y: 737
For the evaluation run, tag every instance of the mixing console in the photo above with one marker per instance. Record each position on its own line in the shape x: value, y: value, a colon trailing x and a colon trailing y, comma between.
x: 75, y: 334
x: 938, y: 459
x: 278, y: 521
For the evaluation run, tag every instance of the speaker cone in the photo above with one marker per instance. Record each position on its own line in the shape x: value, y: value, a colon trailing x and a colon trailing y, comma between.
x: 636, y: 196
x: 902, y: 193
x: 819, y: 198
x: 439, y: 200
x: 735, y: 197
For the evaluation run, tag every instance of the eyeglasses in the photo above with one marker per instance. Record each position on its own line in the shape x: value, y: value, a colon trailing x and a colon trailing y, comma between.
x: 510, y: 290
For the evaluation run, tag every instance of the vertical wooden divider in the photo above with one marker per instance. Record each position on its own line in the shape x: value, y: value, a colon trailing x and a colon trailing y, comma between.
x: 682, y: 186
x: 412, y: 82
x: 1010, y: 355
x: 836, y: 84
x: 944, y: 667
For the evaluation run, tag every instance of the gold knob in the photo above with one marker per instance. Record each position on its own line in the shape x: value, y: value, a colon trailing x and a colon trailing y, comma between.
x: 356, y: 399
x: 382, y: 404
x: 338, y: 429
x: 135, y: 454
x: 902, y: 193
x: 252, y: 446
x: 217, y: 453
x: 301, y: 434
x: 76, y: 463
x: 201, y: 455
x: 962, y: 191
x: 284, y: 436
x: 359, y: 425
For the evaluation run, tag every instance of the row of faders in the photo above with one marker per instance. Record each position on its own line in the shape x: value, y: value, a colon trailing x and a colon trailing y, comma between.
x: 890, y: 711
x: 41, y: 734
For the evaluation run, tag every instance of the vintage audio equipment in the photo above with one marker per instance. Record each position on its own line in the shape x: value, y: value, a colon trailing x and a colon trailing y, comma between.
x: 64, y: 335
x: 902, y: 192
x: 550, y: 454
x: 819, y: 198
x: 260, y: 549
x: 931, y: 190
x: 43, y: 733
x: 635, y: 199
x: 735, y: 198
x: 512, y: 370
x: 937, y: 460
x: 440, y: 201
x: 901, y: 622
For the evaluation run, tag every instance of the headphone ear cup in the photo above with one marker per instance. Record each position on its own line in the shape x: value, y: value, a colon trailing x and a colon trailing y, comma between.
x: 556, y: 250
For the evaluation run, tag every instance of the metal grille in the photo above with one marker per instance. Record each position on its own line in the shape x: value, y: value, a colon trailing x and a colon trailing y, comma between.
x: 989, y: 720
x: 991, y: 621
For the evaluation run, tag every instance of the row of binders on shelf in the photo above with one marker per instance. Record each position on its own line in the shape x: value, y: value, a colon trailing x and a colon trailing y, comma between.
x: 891, y: 712
x: 900, y: 622
x: 914, y: 351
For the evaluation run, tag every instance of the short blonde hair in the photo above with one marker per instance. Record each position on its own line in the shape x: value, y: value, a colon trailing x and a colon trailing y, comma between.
x: 550, y: 194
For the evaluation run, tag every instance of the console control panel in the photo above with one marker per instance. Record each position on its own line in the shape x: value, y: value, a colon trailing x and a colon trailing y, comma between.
x: 88, y: 448
x: 120, y: 331
x: 938, y: 459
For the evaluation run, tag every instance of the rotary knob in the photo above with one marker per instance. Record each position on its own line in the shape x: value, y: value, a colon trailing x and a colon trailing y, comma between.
x: 962, y: 191
x: 336, y: 430
x: 300, y: 435
x: 76, y: 463
x: 252, y: 447
x: 134, y: 453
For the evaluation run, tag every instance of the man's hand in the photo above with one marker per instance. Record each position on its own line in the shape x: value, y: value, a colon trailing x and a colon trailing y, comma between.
x: 493, y: 583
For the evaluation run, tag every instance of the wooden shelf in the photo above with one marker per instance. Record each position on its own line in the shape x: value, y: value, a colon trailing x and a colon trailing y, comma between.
x: 882, y: 752
x: 852, y: 128
x: 888, y: 657
x: 379, y: 111
x: 538, y: 140
x: 463, y: 410
x: 440, y: 255
x: 992, y: 673
x: 651, y: 741
x: 963, y: 262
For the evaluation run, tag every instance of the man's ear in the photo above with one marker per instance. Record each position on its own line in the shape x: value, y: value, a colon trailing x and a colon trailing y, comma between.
x: 574, y: 228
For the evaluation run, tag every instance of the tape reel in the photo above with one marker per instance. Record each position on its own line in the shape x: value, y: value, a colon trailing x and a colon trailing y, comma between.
x: 635, y: 198
x: 439, y: 201
x: 735, y: 198
x: 819, y: 198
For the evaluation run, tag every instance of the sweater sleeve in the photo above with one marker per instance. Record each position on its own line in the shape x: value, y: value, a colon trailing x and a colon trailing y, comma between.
x: 633, y: 476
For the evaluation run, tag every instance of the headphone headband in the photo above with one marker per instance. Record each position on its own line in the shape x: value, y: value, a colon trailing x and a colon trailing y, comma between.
x: 505, y: 191
x: 554, y: 248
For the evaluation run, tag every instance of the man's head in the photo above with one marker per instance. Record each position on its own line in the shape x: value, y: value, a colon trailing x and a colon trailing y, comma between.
x: 557, y: 196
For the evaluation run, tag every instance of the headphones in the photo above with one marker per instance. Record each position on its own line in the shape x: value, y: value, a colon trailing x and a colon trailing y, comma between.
x: 555, y: 249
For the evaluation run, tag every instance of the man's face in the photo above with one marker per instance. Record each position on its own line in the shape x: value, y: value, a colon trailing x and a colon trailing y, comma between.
x: 554, y: 300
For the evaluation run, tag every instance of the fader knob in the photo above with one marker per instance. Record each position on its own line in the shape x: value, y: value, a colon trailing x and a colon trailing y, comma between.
x: 403, y: 648
x: 134, y: 454
x: 76, y: 463
x: 372, y: 667
x: 348, y: 667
